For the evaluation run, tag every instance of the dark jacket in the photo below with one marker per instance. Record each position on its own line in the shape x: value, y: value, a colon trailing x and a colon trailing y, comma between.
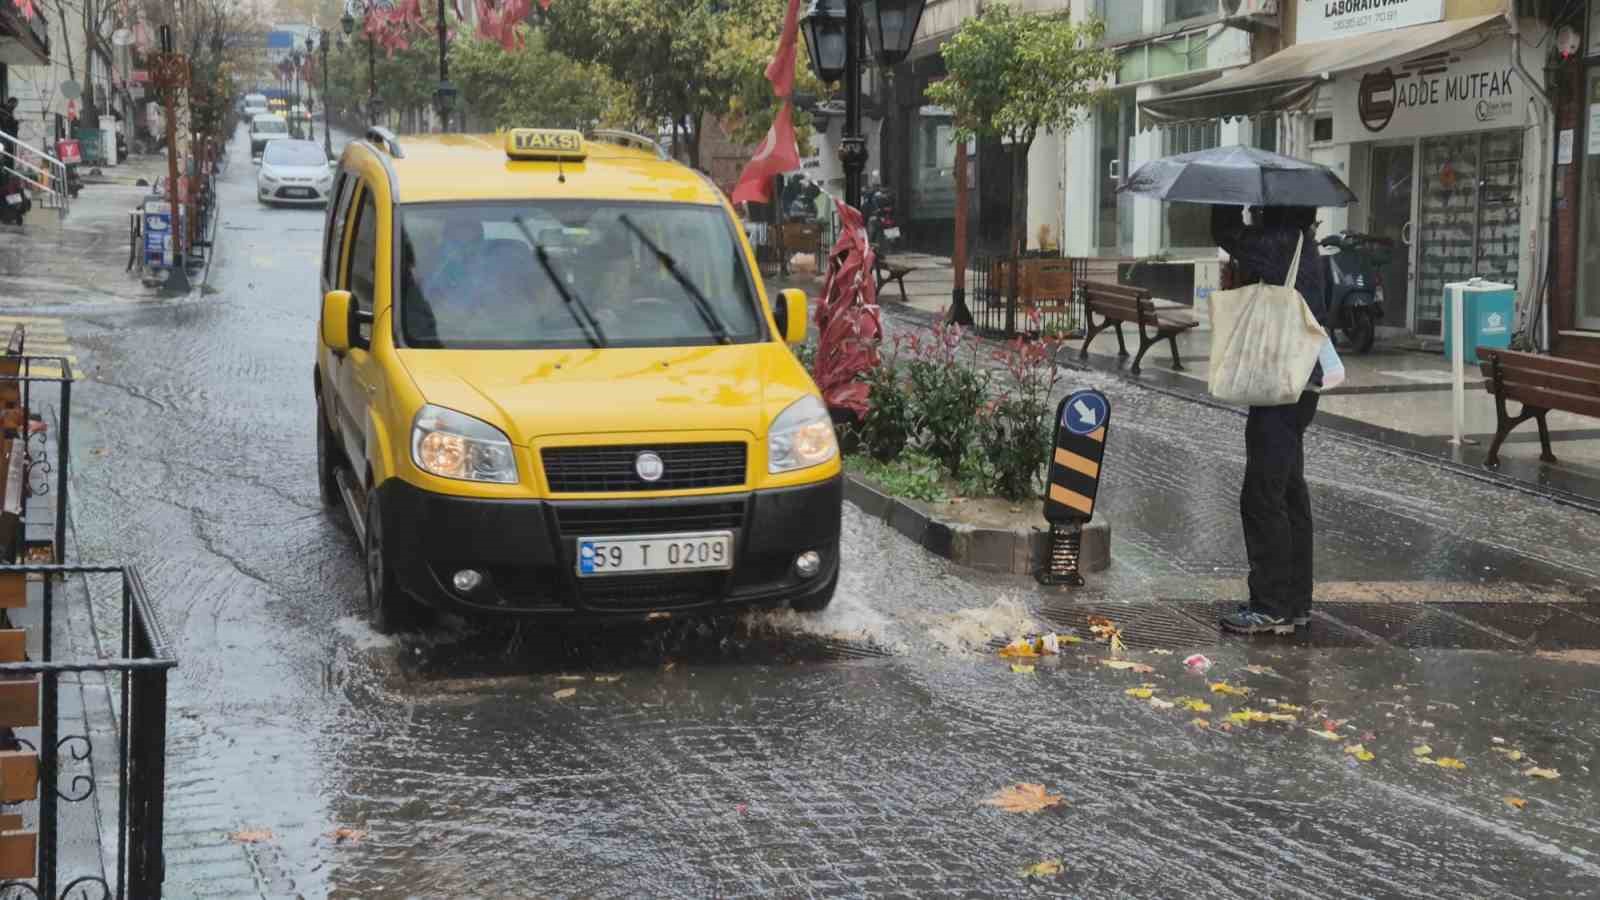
x: 1263, y: 253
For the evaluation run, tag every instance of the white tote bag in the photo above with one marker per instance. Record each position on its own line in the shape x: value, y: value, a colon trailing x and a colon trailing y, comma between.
x: 1264, y: 342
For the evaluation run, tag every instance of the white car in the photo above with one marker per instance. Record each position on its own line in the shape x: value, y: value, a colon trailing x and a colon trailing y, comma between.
x: 266, y: 127
x: 255, y: 105
x: 294, y: 172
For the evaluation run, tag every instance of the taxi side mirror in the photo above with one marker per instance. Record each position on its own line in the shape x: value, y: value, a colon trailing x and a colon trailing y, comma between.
x: 790, y: 311
x: 336, y: 320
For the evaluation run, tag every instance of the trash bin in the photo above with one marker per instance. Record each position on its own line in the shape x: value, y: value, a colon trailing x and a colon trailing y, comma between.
x: 1487, y: 308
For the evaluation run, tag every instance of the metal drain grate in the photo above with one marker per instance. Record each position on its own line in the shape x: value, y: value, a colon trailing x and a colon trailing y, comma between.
x: 1323, y: 633
x: 1144, y: 626
x: 1415, y: 625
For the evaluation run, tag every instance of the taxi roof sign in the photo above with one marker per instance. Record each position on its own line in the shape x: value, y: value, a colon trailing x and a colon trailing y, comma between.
x: 544, y: 143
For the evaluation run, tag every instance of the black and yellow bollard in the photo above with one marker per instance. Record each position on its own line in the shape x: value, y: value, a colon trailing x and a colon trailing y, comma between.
x: 1082, y: 423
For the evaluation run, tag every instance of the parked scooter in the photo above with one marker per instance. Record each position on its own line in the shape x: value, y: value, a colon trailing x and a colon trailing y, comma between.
x: 1354, y: 274
x: 883, y: 228
x: 14, y: 200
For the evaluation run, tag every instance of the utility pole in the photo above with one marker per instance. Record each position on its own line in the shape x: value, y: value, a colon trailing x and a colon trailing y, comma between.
x: 170, y: 72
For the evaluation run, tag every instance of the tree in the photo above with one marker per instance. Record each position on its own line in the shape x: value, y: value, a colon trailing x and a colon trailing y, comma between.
x: 681, y: 60
x: 1014, y: 75
x: 534, y: 87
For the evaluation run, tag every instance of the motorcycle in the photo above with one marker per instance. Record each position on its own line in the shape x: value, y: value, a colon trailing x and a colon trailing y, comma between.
x: 14, y: 200
x: 1354, y: 277
x: 883, y: 228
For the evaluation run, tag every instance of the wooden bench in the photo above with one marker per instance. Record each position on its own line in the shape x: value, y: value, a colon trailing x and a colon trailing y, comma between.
x: 1541, y: 384
x: 888, y: 271
x: 1119, y: 303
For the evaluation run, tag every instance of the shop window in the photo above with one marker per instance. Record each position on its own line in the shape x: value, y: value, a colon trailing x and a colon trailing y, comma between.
x: 1589, y: 237
x: 1114, y: 211
x: 933, y: 171
x: 1322, y: 129
x: 1188, y: 225
x: 1264, y: 133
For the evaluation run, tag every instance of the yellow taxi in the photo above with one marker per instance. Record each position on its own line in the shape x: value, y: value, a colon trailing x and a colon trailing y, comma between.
x: 549, y: 383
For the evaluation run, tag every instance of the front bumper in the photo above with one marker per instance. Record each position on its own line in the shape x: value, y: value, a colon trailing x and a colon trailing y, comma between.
x: 291, y: 193
x: 527, y: 550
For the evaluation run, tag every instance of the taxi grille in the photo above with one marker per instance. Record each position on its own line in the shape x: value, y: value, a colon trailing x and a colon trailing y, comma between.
x: 656, y: 518
x: 572, y: 470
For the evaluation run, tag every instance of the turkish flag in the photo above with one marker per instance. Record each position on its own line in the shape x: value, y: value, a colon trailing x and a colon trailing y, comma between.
x: 777, y: 154
x: 781, y: 70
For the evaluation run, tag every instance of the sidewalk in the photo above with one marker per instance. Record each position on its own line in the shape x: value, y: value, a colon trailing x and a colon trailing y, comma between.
x: 50, y: 261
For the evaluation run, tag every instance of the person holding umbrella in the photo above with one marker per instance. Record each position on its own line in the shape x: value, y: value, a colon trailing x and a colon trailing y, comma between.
x: 1274, y: 502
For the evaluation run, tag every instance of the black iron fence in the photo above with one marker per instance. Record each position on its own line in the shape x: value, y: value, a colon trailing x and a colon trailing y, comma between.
x: 1037, y: 295
x: 30, y: 863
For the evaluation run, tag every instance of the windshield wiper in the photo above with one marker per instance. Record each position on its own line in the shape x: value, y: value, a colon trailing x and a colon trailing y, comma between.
x: 707, y: 312
x: 575, y: 305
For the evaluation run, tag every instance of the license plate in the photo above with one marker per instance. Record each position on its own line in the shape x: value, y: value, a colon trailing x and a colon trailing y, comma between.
x: 892, y: 234
x: 299, y: 192
x: 13, y: 198
x: 700, y: 551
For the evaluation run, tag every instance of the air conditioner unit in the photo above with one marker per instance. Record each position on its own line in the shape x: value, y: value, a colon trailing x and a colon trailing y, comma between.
x: 1247, y: 9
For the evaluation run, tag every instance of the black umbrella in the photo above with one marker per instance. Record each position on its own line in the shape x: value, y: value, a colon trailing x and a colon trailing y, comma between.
x: 1239, y: 176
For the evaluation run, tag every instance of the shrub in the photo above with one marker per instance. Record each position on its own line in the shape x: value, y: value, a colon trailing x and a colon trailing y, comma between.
x: 889, y: 423
x: 1018, y: 426
x: 947, y: 392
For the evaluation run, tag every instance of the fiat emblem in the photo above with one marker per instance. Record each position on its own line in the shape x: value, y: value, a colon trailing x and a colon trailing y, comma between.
x: 649, y: 466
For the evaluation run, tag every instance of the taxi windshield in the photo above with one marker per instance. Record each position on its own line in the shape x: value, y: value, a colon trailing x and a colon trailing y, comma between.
x: 628, y: 274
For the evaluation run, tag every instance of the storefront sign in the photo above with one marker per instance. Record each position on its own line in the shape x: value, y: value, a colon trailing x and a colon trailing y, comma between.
x: 1473, y: 91
x: 1322, y: 20
x: 1594, y: 129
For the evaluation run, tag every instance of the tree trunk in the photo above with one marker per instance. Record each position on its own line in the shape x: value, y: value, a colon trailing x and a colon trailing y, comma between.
x: 1018, y: 240
x: 696, y: 123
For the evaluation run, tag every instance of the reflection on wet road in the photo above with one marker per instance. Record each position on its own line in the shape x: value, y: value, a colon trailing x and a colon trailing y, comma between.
x: 776, y: 755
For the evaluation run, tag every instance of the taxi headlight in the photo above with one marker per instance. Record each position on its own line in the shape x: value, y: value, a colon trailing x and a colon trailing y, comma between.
x: 800, y: 437
x: 453, y: 445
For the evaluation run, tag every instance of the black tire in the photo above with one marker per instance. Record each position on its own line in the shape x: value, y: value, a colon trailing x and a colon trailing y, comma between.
x: 815, y: 603
x: 1363, y: 330
x: 389, y: 609
x: 328, y: 458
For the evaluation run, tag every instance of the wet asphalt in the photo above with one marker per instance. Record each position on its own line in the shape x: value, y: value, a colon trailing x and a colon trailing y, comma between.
x: 843, y: 755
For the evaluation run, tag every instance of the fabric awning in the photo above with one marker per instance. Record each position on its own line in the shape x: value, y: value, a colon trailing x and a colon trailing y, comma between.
x: 1287, y: 80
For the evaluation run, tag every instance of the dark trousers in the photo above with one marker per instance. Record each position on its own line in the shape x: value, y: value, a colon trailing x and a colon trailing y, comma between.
x: 1276, y: 507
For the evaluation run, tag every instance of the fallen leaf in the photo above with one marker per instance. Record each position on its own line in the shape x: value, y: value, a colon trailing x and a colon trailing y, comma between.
x: 1069, y: 639
x: 1020, y: 648
x: 1324, y: 734
x: 1256, y: 715
x: 343, y: 834
x: 1497, y: 740
x: 1222, y: 687
x: 1536, y: 772
x: 1449, y: 762
x: 1022, y: 669
x: 1160, y: 652
x: 1334, y: 724
x: 1117, y: 646
x: 1286, y: 707
x: 1360, y: 752
x: 251, y: 835
x: 669, y: 665
x: 1127, y: 664
x: 741, y: 808
x: 1200, y: 723
x: 607, y: 679
x: 1197, y: 663
x: 1368, y: 736
x: 1159, y: 703
x: 1045, y: 869
x: 1422, y: 750
x: 1194, y: 704
x: 1512, y: 755
x: 655, y: 616
x: 1515, y: 802
x: 1024, y: 798
x: 1261, y: 670
x: 1139, y: 693
x: 564, y: 693
x: 569, y: 677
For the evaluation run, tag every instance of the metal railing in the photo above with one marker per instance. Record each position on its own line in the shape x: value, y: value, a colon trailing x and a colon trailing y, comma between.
x: 139, y: 679
x: 51, y: 177
x: 1038, y: 306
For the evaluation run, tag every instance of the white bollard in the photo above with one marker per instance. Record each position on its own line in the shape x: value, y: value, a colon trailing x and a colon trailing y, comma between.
x: 1458, y: 385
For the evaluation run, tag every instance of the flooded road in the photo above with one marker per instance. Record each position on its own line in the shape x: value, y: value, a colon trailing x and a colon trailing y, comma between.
x: 847, y: 754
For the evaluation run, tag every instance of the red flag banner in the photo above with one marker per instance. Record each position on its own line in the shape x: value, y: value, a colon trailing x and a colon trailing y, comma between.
x: 781, y: 70
x: 777, y: 154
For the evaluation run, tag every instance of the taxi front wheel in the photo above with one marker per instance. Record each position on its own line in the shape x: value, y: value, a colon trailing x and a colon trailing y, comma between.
x: 389, y: 608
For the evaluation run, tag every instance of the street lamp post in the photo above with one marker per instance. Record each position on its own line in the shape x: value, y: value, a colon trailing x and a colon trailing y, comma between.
x: 444, y: 97
x: 833, y: 38
x: 311, y: 124
x: 294, y: 83
x: 348, y: 23
x: 327, y: 121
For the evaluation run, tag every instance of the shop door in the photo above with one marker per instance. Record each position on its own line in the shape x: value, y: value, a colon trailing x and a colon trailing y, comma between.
x: 1393, y: 176
x: 1470, y: 217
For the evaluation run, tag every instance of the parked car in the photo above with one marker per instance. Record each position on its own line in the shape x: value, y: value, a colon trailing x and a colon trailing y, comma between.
x: 266, y: 127
x: 293, y: 171
x: 254, y: 105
